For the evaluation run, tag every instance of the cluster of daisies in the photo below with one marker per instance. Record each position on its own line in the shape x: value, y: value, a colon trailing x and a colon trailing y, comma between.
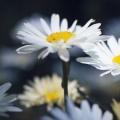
x: 103, y: 52
x: 60, y: 38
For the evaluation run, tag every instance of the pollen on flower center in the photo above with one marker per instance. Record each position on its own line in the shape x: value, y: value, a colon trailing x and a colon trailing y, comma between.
x: 64, y: 35
x: 52, y: 96
x: 116, y: 59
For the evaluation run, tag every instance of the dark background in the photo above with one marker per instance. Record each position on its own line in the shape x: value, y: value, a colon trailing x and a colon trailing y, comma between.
x: 106, y: 12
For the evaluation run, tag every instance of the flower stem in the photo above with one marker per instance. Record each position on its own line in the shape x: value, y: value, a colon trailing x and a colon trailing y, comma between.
x: 65, y: 79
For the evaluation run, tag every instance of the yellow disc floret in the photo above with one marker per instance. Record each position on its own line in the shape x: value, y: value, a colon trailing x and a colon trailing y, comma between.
x: 64, y: 35
x: 116, y: 59
x: 53, y: 96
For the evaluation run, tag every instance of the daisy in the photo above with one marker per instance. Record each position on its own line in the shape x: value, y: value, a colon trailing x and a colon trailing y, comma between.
x: 6, y: 101
x: 83, y: 113
x: 104, y: 57
x: 48, y: 91
x: 58, y: 37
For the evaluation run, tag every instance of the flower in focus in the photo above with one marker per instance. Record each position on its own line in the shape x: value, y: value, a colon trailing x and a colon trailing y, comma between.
x: 48, y: 90
x: 104, y: 57
x: 116, y: 108
x: 33, y: 19
x: 83, y: 113
x: 58, y: 37
x: 6, y: 101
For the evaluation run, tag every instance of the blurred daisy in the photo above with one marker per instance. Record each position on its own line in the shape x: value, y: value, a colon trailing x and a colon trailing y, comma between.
x: 6, y: 101
x: 104, y: 57
x: 58, y: 37
x: 116, y: 108
x: 48, y: 90
x: 83, y: 113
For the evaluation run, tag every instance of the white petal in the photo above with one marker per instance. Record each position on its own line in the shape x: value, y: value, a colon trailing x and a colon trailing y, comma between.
x: 77, y: 29
x: 107, y: 116
x: 107, y: 72
x: 86, y: 60
x: 28, y: 49
x: 112, y: 43
x: 13, y: 109
x: 73, y: 26
x: 64, y: 54
x: 9, y: 99
x: 115, y: 72
x: 4, y: 88
x: 64, y: 25
x: 96, y: 112
x: 59, y: 115
x: 32, y: 39
x: 86, y: 25
x: 45, y: 26
x: 43, y: 54
x: 70, y: 107
x: 35, y: 31
x: 85, y: 107
x: 55, y: 21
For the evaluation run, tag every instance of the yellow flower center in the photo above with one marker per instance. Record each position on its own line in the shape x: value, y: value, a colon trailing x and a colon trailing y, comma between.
x: 52, y: 96
x: 116, y: 59
x: 64, y: 35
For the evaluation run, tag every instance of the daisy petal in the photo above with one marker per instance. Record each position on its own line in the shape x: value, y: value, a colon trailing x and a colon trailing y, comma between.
x: 28, y: 49
x: 64, y: 54
x: 112, y: 43
x: 34, y: 30
x: 107, y: 116
x: 115, y: 72
x: 43, y: 54
x: 105, y: 73
x: 64, y: 25
x: 73, y: 26
x: 86, y: 60
x: 55, y: 23
x: 45, y: 26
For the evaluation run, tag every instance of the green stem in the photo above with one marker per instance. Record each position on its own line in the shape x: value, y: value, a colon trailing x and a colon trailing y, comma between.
x: 65, y: 79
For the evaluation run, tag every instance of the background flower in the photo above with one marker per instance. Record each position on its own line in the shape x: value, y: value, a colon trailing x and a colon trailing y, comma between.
x: 83, y: 113
x: 48, y: 90
x: 104, y: 57
x: 6, y: 101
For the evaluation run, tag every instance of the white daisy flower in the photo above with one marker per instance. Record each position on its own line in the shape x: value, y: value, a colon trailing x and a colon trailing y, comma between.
x: 48, y: 91
x: 83, y: 113
x: 58, y: 37
x: 6, y: 101
x: 104, y: 57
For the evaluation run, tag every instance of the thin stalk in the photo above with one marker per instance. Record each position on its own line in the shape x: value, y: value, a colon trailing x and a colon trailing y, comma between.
x: 65, y: 79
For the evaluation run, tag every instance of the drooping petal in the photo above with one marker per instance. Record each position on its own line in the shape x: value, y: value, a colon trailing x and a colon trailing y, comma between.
x: 64, y: 54
x: 28, y: 49
x: 43, y: 54
x: 107, y: 72
x: 86, y: 60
